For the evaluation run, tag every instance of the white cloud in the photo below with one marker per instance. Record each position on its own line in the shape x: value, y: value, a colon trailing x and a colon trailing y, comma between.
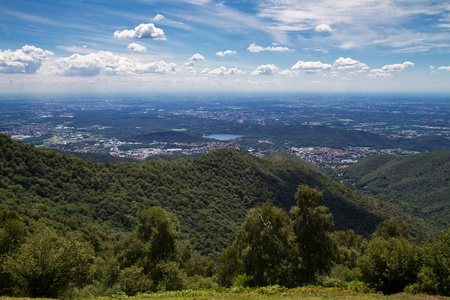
x: 27, y: 60
x: 323, y: 28
x: 223, y: 71
x: 348, y: 45
x: 378, y: 73
x: 310, y: 66
x: 158, y: 18
x: 398, y: 67
x: 197, y: 57
x: 254, y: 48
x: 265, y: 70
x: 191, y: 71
x: 108, y: 64
x: 143, y: 31
x: 387, y: 70
x: 136, y: 48
x: 194, y: 58
x: 225, y: 53
x: 444, y: 68
x: 349, y: 64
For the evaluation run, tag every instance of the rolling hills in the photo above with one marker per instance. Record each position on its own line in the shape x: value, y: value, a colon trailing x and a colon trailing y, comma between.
x: 210, y: 195
x: 419, y: 184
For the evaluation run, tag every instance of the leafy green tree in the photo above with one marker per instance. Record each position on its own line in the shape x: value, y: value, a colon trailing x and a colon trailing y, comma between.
x: 12, y: 235
x: 312, y: 224
x: 158, y: 229
x: 199, y: 265
x: 230, y: 265
x: 154, y: 251
x: 349, y: 247
x: 434, y: 277
x: 392, y: 228
x: 389, y: 265
x: 47, y: 263
x: 132, y: 280
x: 265, y: 246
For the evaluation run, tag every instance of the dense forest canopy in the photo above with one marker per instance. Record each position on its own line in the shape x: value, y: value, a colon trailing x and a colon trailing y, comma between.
x: 418, y: 183
x: 195, y: 222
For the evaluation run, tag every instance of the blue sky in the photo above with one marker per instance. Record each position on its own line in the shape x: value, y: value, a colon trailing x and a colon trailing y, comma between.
x: 142, y: 46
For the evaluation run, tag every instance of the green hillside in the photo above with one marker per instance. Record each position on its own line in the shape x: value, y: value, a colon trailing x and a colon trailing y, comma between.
x: 419, y: 184
x: 210, y: 195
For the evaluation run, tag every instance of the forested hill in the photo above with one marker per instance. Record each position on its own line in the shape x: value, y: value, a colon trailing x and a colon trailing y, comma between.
x: 419, y: 183
x: 210, y: 195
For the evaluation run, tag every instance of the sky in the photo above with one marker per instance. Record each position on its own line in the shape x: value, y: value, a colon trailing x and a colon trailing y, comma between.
x: 149, y: 46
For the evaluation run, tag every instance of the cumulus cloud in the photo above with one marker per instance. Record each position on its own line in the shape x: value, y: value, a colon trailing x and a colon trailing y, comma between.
x: 265, y: 70
x: 225, y: 53
x: 223, y: 71
x: 310, y: 66
x: 254, y: 48
x: 194, y: 58
x: 143, y: 31
x: 444, y: 68
x: 387, y: 70
x: 109, y: 64
x: 398, y: 67
x: 349, y: 64
x: 27, y: 60
x: 136, y: 48
x: 323, y: 28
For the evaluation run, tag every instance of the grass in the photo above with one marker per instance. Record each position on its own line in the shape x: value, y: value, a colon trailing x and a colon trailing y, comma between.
x: 271, y: 293
x: 278, y: 293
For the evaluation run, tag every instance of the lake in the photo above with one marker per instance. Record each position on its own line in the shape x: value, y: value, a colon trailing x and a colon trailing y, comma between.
x: 223, y: 137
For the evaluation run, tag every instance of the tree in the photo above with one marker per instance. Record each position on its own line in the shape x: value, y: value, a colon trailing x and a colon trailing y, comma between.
x: 230, y: 265
x: 47, y: 263
x: 312, y: 224
x: 264, y: 244
x: 12, y: 235
x: 389, y: 265
x: 158, y: 229
x: 154, y: 251
x: 392, y: 228
x: 434, y: 277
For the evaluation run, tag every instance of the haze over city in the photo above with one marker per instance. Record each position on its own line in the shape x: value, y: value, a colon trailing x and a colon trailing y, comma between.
x: 215, y: 46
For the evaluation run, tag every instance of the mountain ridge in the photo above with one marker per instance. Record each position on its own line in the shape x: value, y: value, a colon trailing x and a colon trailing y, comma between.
x: 419, y: 183
x: 210, y: 195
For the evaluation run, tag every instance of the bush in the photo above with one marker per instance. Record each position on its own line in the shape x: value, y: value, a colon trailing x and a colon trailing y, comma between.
x: 434, y: 277
x: 198, y: 282
x: 132, y: 280
x: 48, y: 264
x: 389, y: 265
